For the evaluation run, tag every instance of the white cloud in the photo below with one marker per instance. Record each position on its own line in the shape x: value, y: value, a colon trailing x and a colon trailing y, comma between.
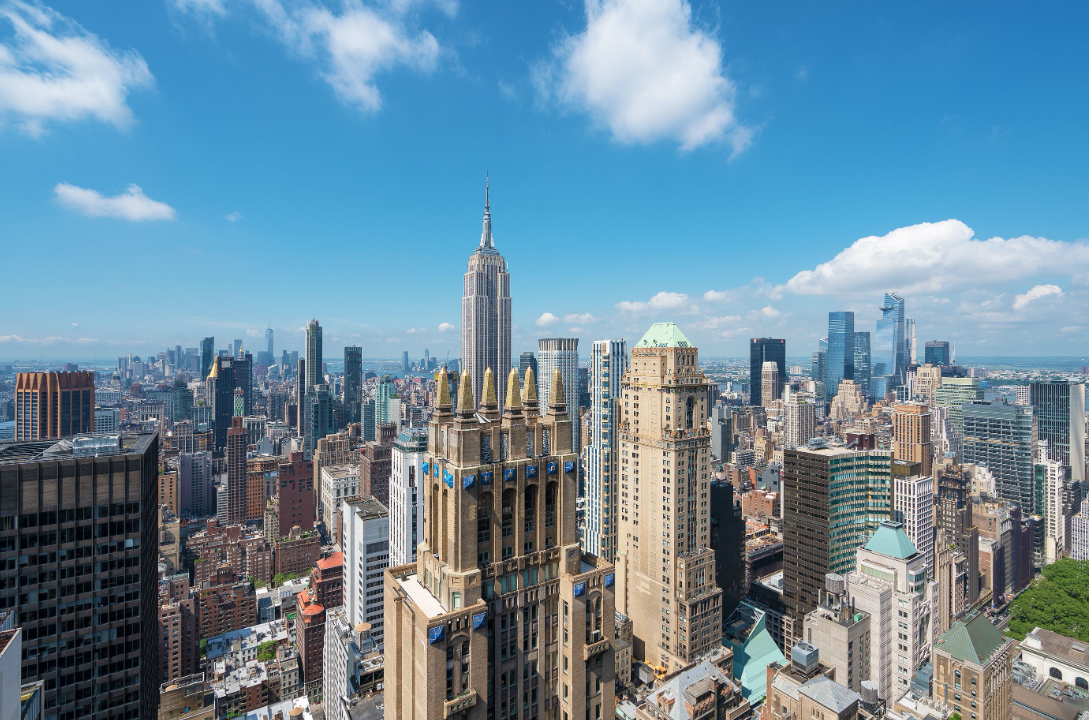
x: 771, y: 312
x: 645, y: 71
x: 713, y: 323
x: 200, y: 7
x: 717, y: 295
x: 663, y: 300
x: 75, y: 324
x: 574, y: 330
x: 416, y: 331
x: 446, y: 327
x: 933, y: 257
x: 1068, y: 329
x: 129, y: 205
x: 52, y: 69
x: 579, y: 318
x: 234, y: 217
x: 254, y: 333
x: 1036, y: 293
x: 546, y: 320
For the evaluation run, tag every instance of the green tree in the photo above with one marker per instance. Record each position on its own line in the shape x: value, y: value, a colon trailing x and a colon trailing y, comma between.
x: 266, y: 651
x: 1057, y: 600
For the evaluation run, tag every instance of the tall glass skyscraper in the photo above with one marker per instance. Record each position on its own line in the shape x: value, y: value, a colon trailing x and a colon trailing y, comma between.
x: 207, y: 352
x: 937, y: 352
x: 313, y: 355
x: 562, y: 353
x: 840, y: 364
x: 862, y: 360
x: 890, y: 350
x: 999, y: 435
x: 1059, y: 409
x: 353, y: 383
x: 608, y: 362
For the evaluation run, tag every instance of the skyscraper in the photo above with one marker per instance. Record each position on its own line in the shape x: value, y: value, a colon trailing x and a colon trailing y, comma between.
x: 833, y: 501
x: 799, y: 419
x: 221, y: 387
x: 770, y: 383
x: 890, y: 350
x: 485, y: 312
x: 561, y: 353
x: 840, y: 364
x: 1058, y: 407
x: 313, y: 355
x: 999, y: 436
x: 527, y: 360
x: 353, y: 383
x: 664, y: 563
x: 382, y: 394
x: 913, y: 506
x: 762, y: 350
x: 608, y: 363
x: 862, y: 361
x: 952, y: 394
x: 242, y: 366
x: 406, y: 476
x: 268, y: 342
x: 936, y: 352
x: 207, y: 352
x: 500, y: 493
x: 236, y: 472
x: 912, y: 435
x: 54, y: 404
x: 55, y: 501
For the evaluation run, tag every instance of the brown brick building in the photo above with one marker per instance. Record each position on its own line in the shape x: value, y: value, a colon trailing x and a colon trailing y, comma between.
x: 973, y: 669
x: 376, y: 464
x: 217, y: 548
x: 54, y: 405
x: 327, y: 581
x: 178, y: 628
x: 297, y: 494
x: 297, y: 552
x: 226, y: 605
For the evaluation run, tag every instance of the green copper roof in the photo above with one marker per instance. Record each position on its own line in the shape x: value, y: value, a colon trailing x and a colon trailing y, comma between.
x: 974, y: 641
x: 891, y: 540
x: 751, y: 661
x: 665, y: 334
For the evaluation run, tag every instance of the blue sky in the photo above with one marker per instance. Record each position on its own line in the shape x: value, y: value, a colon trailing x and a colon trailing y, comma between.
x: 711, y: 163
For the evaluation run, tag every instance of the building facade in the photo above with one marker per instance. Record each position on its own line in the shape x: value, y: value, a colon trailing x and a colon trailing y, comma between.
x: 840, y: 358
x: 560, y: 354
x: 999, y: 435
x: 406, y: 462
x: 54, y: 404
x: 608, y: 363
x: 366, y: 557
x: 1058, y: 407
x: 762, y: 350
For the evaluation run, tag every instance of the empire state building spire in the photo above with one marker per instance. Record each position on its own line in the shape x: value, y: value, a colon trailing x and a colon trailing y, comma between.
x: 486, y: 240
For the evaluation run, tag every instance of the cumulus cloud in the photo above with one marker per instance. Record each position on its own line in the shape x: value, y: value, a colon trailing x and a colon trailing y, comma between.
x: 446, y: 327
x: 52, y: 69
x: 663, y: 300
x: 771, y: 312
x: 546, y: 320
x: 717, y: 295
x: 1036, y: 293
x: 130, y: 205
x: 352, y: 46
x: 254, y: 333
x: 416, y: 331
x: 713, y: 323
x: 933, y: 257
x: 579, y: 318
x: 646, y: 72
x: 234, y: 217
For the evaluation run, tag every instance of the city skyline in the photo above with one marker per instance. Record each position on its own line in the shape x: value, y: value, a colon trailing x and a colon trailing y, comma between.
x: 574, y: 171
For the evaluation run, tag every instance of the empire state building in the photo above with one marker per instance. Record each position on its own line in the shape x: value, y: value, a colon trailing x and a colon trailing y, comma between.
x: 485, y: 312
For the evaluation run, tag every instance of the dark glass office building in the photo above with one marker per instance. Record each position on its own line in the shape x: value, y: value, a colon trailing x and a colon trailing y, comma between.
x: 937, y: 352
x: 841, y: 351
x: 353, y: 384
x: 78, y: 563
x: 762, y: 350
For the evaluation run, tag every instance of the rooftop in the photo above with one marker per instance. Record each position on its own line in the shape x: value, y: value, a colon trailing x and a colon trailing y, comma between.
x: 1072, y: 651
x: 368, y: 508
x: 973, y: 641
x: 72, y: 448
x: 421, y: 596
x: 694, y: 680
x: 829, y: 693
x: 334, y: 560
x: 890, y: 539
x: 664, y: 334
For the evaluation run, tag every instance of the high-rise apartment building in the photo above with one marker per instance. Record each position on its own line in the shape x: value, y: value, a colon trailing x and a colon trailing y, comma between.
x: 936, y: 352
x: 376, y: 463
x: 242, y: 365
x: 1058, y: 407
x: 840, y: 363
x: 69, y: 500
x: 221, y: 390
x: 956, y: 529
x: 236, y: 473
x: 762, y: 350
x: 952, y: 393
x: 317, y: 417
x: 912, y: 435
x: 890, y: 348
x: 366, y: 557
x: 368, y: 419
x: 353, y: 384
x: 501, y: 614
x: 608, y: 363
x: 54, y: 404
x: 383, y: 393
x: 927, y: 379
x: 913, y: 507
x: 833, y: 501
x: 196, y: 484
x: 207, y: 352
x: 296, y: 495
x: 526, y: 361
x: 999, y: 435
x: 406, y: 473
x: 313, y: 356
x: 799, y: 419
x: 664, y: 562
x: 560, y: 354
x: 485, y: 312
x: 770, y: 383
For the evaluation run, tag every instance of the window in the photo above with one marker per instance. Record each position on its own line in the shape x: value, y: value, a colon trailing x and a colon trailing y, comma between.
x: 1056, y: 673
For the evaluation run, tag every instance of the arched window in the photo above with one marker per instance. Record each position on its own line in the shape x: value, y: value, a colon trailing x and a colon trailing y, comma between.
x: 688, y: 412
x: 530, y: 510
x: 1082, y: 683
x: 1056, y: 673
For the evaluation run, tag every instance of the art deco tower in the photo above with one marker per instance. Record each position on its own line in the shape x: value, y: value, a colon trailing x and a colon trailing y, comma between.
x: 665, y: 566
x: 501, y: 615
x: 485, y: 312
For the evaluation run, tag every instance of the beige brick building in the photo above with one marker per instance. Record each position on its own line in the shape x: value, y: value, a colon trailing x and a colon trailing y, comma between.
x: 664, y: 565
x: 973, y: 669
x: 499, y: 572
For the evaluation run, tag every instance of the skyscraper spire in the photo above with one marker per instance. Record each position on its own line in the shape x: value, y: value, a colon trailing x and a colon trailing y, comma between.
x: 486, y: 236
